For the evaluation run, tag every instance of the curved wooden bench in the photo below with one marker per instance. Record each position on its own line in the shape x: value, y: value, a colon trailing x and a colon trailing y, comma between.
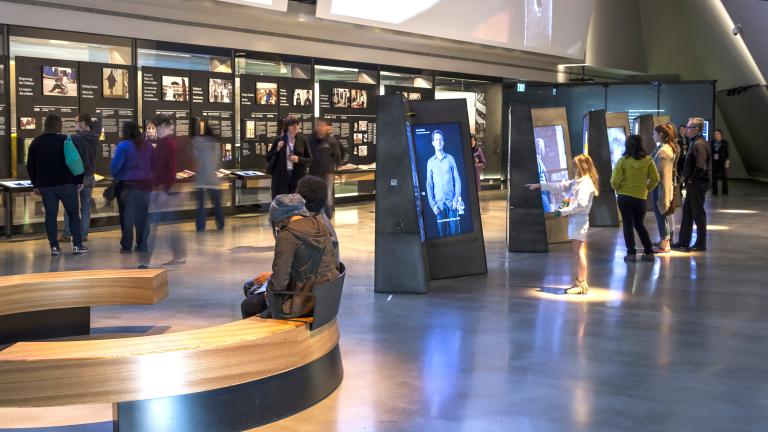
x: 57, y: 304
x: 229, y: 377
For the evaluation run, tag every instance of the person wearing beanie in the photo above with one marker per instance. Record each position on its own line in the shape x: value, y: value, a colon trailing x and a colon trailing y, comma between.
x: 304, y: 257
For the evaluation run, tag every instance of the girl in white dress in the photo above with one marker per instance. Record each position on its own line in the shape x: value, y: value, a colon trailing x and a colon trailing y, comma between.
x: 581, y: 190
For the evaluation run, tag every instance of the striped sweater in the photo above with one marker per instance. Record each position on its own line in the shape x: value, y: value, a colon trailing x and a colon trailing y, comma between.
x: 634, y: 177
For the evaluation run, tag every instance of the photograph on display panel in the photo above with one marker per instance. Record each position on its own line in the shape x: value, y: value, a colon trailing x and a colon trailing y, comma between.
x: 552, y: 162
x: 219, y: 90
x: 414, y: 96
x: 617, y: 138
x: 359, y: 99
x: 443, y: 187
x: 250, y: 129
x: 59, y: 81
x: 226, y: 152
x: 340, y: 98
x: 266, y: 93
x: 27, y: 123
x: 302, y: 97
x: 175, y: 89
x: 115, y: 83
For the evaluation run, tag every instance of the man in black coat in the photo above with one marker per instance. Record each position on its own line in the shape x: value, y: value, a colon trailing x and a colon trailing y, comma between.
x: 54, y: 182
x: 288, y: 159
x: 327, y: 156
x: 720, y: 162
x: 697, y: 175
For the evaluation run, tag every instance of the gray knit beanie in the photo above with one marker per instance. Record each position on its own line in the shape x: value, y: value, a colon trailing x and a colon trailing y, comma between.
x: 285, y: 206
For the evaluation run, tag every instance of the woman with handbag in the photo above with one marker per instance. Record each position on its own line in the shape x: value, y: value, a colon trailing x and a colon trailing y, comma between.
x: 664, y: 157
x: 131, y: 167
x: 288, y: 158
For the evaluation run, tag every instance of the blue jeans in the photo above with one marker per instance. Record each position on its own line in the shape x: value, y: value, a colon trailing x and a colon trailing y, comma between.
x: 665, y: 223
x: 163, y: 207
x: 448, y: 222
x: 85, y: 208
x: 215, y: 196
x: 134, y: 203
x: 67, y: 194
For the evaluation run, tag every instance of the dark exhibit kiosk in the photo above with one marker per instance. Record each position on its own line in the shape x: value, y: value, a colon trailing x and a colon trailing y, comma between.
x: 596, y: 144
x: 526, y: 229
x: 427, y: 210
x: 539, y: 151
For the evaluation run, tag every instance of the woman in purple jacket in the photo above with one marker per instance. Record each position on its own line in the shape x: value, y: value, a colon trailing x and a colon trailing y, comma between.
x: 131, y: 167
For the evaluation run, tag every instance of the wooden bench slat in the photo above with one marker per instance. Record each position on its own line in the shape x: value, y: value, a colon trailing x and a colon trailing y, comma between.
x: 108, y: 371
x: 60, y: 290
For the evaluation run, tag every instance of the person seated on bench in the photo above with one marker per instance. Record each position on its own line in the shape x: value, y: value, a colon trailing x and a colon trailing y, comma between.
x: 304, y: 257
x: 314, y: 190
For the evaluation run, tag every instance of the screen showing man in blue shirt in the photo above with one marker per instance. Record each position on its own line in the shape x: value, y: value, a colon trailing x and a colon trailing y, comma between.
x: 440, y: 160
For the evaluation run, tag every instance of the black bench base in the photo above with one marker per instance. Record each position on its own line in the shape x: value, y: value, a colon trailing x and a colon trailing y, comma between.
x: 45, y: 324
x: 236, y: 408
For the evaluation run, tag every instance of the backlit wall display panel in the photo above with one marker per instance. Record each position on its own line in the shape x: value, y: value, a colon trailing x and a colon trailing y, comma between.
x: 443, y: 187
x: 617, y: 139
x: 557, y: 27
x: 552, y: 162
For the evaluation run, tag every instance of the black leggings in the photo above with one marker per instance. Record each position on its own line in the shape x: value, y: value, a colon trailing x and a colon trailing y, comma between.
x: 633, y: 215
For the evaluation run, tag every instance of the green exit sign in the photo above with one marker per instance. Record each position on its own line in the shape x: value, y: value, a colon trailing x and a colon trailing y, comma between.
x: 521, y: 87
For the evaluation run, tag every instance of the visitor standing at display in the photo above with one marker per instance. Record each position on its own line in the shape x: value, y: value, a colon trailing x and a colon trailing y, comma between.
x: 288, y: 158
x: 165, y: 197
x: 581, y: 191
x: 720, y: 162
x: 131, y: 167
x: 696, y: 177
x: 682, y: 145
x: 315, y: 194
x: 444, y: 188
x: 87, y: 143
x: 304, y: 258
x: 327, y: 156
x: 52, y: 179
x: 479, y: 157
x: 665, y: 159
x: 633, y: 177
x: 207, y: 156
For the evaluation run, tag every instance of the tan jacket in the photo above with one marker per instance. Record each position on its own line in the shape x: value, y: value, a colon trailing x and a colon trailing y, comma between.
x: 665, y: 165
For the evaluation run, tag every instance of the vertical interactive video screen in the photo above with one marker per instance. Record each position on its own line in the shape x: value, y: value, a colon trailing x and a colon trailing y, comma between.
x: 443, y: 189
x: 552, y: 161
x: 617, y: 138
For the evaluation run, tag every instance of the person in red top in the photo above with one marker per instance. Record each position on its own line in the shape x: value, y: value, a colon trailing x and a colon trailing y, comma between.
x: 166, y: 197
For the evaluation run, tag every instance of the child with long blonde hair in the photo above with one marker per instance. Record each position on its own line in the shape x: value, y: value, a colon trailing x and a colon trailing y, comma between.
x: 581, y: 190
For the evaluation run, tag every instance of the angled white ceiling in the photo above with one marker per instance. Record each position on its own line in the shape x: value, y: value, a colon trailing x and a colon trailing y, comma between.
x: 753, y: 17
x: 555, y: 27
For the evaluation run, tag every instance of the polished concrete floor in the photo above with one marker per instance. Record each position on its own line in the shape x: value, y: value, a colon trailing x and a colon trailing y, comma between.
x: 675, y: 345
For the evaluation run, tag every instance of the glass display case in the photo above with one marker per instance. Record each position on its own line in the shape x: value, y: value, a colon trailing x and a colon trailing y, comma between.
x: 24, y: 210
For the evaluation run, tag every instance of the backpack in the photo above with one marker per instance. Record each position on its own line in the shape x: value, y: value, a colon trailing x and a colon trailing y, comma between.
x: 72, y: 157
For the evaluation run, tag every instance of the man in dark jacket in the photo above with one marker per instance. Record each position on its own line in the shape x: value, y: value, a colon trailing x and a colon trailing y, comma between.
x: 697, y: 175
x: 87, y: 142
x: 720, y: 162
x: 327, y: 156
x: 288, y: 158
x: 304, y: 258
x: 54, y: 182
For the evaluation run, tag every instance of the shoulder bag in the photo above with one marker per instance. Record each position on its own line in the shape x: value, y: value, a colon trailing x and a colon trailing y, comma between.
x: 72, y: 157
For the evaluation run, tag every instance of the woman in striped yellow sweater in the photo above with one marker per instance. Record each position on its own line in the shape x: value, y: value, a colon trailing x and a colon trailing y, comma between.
x: 633, y: 177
